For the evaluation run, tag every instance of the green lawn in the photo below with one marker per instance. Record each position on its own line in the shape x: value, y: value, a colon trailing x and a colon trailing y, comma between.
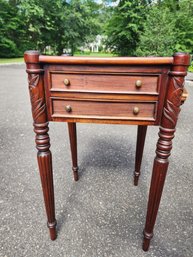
x: 94, y: 54
x: 11, y: 60
x: 191, y: 68
x: 20, y: 60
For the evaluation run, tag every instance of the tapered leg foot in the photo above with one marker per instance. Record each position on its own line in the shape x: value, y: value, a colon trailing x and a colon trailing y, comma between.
x: 160, y: 167
x: 73, y: 146
x: 75, y: 173
x: 52, y: 229
x: 136, y: 179
x: 141, y: 134
x: 146, y: 241
x: 146, y: 244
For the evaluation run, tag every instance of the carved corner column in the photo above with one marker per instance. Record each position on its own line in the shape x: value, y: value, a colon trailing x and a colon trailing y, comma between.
x: 39, y: 113
x: 164, y: 144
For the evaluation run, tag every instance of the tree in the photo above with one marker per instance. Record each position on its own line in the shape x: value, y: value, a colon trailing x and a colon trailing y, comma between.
x: 11, y: 31
x: 168, y: 28
x: 68, y: 25
x: 34, y: 24
x: 79, y: 25
x: 42, y: 20
x: 184, y: 26
x: 140, y: 27
x: 124, y: 28
x: 159, y: 36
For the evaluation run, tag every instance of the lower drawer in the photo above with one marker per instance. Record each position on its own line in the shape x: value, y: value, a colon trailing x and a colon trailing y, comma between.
x: 104, y: 110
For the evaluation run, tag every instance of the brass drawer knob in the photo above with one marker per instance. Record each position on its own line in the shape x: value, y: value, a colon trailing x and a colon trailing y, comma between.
x: 135, y: 110
x: 68, y: 108
x: 138, y: 84
x: 66, y: 82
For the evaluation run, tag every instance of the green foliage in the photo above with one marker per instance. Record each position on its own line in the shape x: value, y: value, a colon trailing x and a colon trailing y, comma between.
x: 79, y: 25
x: 184, y: 26
x: 191, y: 67
x: 59, y: 24
x: 34, y: 24
x: 133, y: 27
x: 151, y: 27
x: 159, y: 36
x: 168, y: 29
x: 43, y: 21
x: 10, y: 30
x: 124, y: 27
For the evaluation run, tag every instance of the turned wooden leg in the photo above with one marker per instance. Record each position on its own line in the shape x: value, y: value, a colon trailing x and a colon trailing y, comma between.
x: 73, y: 146
x: 157, y: 183
x: 39, y: 113
x: 160, y: 167
x: 141, y: 134
x: 164, y: 145
x: 44, y: 157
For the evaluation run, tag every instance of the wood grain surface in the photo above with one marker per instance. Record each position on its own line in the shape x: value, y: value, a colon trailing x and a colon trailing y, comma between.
x: 104, y: 83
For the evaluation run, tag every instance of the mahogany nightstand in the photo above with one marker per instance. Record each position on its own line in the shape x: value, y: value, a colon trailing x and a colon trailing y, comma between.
x: 125, y: 90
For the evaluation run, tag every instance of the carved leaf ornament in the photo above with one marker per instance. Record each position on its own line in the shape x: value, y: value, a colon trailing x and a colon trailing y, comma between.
x: 172, y: 108
x: 38, y: 105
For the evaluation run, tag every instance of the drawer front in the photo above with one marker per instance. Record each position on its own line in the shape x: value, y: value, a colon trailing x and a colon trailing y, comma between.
x: 104, y: 83
x: 107, y: 110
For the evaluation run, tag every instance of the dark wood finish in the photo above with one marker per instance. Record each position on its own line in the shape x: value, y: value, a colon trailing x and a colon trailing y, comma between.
x: 103, y: 121
x: 164, y: 145
x: 118, y: 97
x: 73, y: 146
x: 155, y: 77
x: 104, y: 83
x: 36, y: 89
x: 141, y: 134
x: 106, y: 61
x: 108, y: 110
x: 108, y: 69
x: 105, y: 90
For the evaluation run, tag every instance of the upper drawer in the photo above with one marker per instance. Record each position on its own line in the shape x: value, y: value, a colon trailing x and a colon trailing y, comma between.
x: 111, y: 83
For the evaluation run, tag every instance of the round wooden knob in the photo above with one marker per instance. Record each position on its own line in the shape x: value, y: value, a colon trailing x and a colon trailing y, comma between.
x: 138, y: 83
x: 135, y: 110
x: 66, y: 82
x: 68, y: 108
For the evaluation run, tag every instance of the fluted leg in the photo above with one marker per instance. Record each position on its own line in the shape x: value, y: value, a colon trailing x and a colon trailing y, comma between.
x: 44, y: 157
x: 73, y: 146
x: 164, y: 145
x: 141, y: 134
x: 157, y: 183
x: 160, y: 167
x: 39, y: 113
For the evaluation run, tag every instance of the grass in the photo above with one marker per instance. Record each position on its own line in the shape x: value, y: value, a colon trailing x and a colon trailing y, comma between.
x: 94, y: 54
x: 20, y: 60
x: 190, y: 69
x: 11, y: 60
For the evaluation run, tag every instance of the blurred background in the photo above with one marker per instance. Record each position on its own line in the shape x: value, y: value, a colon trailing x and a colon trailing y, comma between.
x: 95, y: 27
